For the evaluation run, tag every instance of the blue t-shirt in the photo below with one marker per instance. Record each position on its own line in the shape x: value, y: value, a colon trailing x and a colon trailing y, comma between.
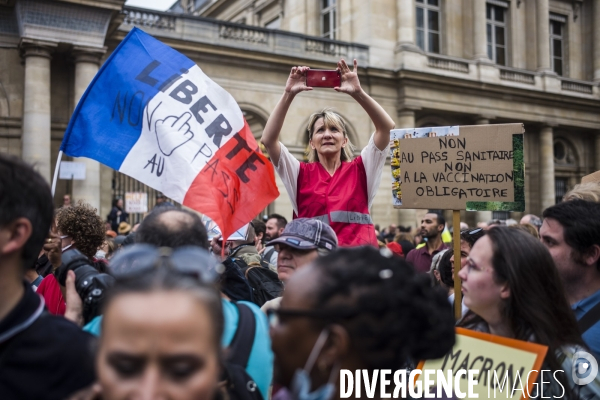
x: 260, y: 364
x: 591, y: 337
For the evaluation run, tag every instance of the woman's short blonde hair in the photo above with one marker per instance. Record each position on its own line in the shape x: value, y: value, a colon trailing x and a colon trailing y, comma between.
x: 585, y: 191
x: 330, y: 119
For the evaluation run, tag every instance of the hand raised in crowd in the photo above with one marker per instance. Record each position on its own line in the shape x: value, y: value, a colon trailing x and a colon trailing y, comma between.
x: 217, y: 247
x: 74, y: 310
x: 350, y: 83
x: 53, y: 249
x: 296, y: 82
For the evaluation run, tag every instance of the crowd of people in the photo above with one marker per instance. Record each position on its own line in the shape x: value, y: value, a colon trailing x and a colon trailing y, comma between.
x: 97, y: 308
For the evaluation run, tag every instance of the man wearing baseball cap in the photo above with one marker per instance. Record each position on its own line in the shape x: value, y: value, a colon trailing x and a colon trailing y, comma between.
x: 302, y: 241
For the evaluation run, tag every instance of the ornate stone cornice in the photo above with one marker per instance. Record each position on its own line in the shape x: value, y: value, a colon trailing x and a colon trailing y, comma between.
x: 34, y: 47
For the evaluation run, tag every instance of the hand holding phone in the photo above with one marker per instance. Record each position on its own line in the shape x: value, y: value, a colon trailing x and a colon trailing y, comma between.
x: 323, y: 78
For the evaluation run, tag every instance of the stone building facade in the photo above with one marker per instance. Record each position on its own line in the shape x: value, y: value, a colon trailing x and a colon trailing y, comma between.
x: 428, y: 62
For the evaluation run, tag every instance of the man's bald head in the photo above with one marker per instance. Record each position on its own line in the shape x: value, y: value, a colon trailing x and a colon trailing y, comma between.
x: 173, y: 228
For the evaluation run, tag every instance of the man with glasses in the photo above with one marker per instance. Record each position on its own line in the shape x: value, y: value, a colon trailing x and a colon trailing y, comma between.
x: 300, y: 243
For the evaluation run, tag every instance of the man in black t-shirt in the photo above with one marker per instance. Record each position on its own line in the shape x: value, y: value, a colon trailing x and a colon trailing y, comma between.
x: 41, y: 356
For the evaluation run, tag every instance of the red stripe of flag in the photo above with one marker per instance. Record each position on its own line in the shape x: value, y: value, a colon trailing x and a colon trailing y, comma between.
x: 235, y: 185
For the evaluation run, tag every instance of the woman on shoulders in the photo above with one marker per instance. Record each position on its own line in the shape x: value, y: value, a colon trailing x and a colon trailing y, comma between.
x: 332, y: 186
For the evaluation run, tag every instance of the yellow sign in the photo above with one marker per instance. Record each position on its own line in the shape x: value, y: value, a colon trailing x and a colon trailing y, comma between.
x: 507, y: 368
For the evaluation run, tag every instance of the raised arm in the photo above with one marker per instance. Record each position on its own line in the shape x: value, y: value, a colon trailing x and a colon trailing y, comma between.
x: 296, y: 83
x: 382, y: 121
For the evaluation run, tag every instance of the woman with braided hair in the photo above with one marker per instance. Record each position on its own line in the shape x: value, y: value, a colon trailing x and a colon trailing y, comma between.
x: 356, y: 308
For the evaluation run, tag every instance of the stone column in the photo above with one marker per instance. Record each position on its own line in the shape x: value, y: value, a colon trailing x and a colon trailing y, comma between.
x: 406, y: 119
x: 480, y: 216
x: 36, y: 106
x: 406, y: 25
x: 547, y: 194
x: 596, y: 40
x: 479, y: 31
x: 543, y: 35
x: 87, y: 61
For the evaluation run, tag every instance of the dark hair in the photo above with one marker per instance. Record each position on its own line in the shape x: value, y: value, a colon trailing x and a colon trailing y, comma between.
x: 164, y: 279
x: 82, y: 223
x: 115, y: 201
x: 445, y: 269
x: 259, y: 227
x: 537, y: 304
x: 580, y: 220
x: 25, y: 194
x: 398, y: 315
x: 170, y: 227
x: 281, y: 221
x: 440, y: 218
x: 470, y: 236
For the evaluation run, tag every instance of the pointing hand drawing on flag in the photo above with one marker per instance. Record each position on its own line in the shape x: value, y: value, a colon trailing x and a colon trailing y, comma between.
x: 152, y: 114
x: 173, y: 132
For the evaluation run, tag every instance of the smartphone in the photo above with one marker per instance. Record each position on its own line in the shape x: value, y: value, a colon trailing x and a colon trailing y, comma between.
x: 323, y: 78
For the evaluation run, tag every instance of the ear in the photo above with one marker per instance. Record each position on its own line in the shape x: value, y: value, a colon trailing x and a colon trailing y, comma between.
x: 592, y: 255
x: 345, y: 142
x: 336, y: 347
x: 310, y: 142
x: 504, y: 292
x: 17, y: 234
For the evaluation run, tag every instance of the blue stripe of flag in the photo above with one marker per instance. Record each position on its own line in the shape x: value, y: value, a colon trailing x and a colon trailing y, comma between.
x: 108, y: 119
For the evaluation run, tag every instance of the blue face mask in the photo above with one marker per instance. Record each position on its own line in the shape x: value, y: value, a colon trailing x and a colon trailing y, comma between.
x: 301, y: 382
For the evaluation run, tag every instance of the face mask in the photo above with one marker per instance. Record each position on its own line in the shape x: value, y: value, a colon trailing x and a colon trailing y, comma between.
x: 301, y: 383
x: 100, y: 254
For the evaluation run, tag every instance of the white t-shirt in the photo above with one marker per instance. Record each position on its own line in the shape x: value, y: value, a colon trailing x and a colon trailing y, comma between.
x: 373, y: 159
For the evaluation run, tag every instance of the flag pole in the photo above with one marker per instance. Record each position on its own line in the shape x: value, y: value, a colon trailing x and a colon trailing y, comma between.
x: 60, y: 153
x: 457, y: 281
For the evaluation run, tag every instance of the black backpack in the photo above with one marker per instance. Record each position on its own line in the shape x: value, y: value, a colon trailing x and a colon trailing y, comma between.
x: 240, y: 385
x: 265, y: 283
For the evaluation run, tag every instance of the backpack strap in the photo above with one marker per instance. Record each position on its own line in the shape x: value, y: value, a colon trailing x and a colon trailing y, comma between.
x: 241, y: 344
x: 267, y: 256
x: 589, y: 318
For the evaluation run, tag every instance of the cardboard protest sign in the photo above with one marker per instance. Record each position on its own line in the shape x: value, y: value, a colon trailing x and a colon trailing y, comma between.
x: 153, y: 114
x: 508, y: 368
x: 136, y: 202
x: 459, y: 167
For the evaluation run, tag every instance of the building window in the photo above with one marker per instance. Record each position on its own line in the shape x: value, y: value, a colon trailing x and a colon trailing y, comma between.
x: 274, y: 24
x: 428, y: 25
x: 496, y: 31
x: 557, y: 36
x: 560, y: 189
x: 328, y: 19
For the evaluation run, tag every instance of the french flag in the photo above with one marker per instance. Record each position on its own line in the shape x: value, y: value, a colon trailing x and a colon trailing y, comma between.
x: 151, y: 113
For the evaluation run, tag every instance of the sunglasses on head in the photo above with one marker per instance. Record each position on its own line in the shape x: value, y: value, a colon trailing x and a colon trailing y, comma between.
x: 143, y: 258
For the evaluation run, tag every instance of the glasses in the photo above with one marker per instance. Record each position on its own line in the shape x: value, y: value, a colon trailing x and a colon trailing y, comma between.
x: 274, y: 314
x: 63, y: 237
x: 143, y: 258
